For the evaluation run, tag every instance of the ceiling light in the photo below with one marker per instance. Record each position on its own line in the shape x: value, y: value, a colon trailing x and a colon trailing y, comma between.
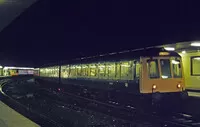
x: 183, y: 51
x: 197, y: 44
x: 169, y: 48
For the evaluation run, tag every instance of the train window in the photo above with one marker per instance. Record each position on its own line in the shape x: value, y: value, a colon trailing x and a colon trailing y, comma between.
x: 152, y: 66
x: 111, y: 69
x: 93, y: 70
x: 78, y: 69
x: 72, y: 72
x: 64, y: 71
x: 102, y: 69
x: 106, y: 72
x: 165, y: 68
x: 48, y: 72
x: 117, y: 70
x: 84, y: 71
x: 195, y: 66
x: 176, y: 67
x: 55, y: 72
x: 126, y: 70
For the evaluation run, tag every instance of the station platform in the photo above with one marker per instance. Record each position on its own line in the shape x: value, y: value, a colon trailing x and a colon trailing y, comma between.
x: 11, y: 118
x: 194, y: 92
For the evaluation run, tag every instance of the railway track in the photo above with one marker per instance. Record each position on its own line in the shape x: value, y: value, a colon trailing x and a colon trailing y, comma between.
x: 126, y: 116
x: 130, y: 113
x: 44, y: 119
x: 55, y: 105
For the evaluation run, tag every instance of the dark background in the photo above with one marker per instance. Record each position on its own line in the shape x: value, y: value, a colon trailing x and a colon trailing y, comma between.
x: 54, y: 30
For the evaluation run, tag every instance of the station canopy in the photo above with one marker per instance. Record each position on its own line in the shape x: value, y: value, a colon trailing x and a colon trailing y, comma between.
x: 10, y: 9
x: 183, y: 47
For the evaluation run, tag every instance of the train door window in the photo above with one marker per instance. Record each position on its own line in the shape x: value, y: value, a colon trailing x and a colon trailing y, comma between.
x: 152, y: 66
x: 126, y: 70
x: 176, y: 67
x: 195, y: 66
x: 137, y: 70
x: 111, y: 69
x: 102, y: 69
x: 165, y: 68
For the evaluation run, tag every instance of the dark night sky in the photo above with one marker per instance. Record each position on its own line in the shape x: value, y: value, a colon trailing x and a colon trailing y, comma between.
x: 51, y: 30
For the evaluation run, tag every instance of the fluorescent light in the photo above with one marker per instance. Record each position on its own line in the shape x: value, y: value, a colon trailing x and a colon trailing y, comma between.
x: 169, y: 48
x: 124, y: 65
x: 164, y: 76
x: 197, y: 44
x: 18, y: 68
x: 183, y: 51
x: 175, y: 62
x: 197, y: 58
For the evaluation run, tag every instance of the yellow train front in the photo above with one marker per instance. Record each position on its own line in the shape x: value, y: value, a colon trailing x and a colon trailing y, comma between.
x: 162, y: 77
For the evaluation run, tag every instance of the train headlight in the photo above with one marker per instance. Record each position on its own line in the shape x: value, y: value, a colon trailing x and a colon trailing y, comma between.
x: 154, y: 86
x: 179, y: 86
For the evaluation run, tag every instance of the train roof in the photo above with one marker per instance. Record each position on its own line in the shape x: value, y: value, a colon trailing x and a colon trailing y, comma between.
x: 125, y: 55
x: 118, y: 56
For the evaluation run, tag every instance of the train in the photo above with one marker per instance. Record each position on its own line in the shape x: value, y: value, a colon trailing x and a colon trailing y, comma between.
x: 14, y: 71
x: 152, y: 74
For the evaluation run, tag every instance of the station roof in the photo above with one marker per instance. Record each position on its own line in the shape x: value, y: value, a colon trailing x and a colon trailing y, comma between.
x: 10, y: 9
x: 190, y: 46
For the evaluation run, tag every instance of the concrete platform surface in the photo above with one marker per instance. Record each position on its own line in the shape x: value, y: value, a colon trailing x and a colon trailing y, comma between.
x: 11, y: 118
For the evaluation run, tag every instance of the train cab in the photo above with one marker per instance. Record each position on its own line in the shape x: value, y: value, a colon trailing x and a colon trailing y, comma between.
x: 162, y: 76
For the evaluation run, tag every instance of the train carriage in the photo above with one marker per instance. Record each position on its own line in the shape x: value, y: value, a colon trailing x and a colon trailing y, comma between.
x: 14, y: 71
x: 153, y: 73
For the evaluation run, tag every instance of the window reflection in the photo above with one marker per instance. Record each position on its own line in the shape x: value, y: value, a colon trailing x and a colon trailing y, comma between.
x: 195, y: 65
x: 176, y: 67
x: 165, y: 68
x: 152, y: 66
